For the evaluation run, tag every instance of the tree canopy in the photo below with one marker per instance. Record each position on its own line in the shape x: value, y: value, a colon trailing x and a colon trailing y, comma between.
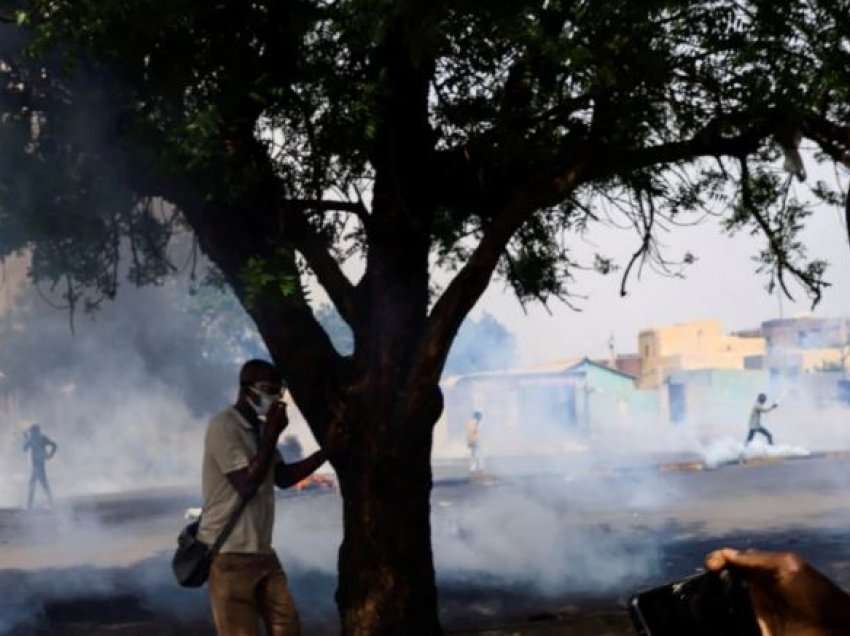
x: 509, y: 95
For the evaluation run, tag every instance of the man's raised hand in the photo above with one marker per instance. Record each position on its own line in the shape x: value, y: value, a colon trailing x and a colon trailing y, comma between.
x: 276, y: 419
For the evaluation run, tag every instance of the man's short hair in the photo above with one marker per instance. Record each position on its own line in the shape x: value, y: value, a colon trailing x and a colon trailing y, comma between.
x: 477, y: 415
x: 258, y: 370
x: 762, y: 397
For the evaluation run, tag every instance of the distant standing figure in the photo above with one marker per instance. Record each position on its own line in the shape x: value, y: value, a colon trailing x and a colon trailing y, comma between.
x: 759, y: 408
x: 473, y: 431
x: 41, y: 448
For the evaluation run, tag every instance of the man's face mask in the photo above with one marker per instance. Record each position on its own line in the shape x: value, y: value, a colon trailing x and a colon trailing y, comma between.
x: 265, y: 396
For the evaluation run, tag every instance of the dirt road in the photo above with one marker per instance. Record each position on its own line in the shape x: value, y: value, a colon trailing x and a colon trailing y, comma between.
x: 556, y: 551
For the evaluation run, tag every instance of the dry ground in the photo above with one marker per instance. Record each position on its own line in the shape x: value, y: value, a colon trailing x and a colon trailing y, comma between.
x: 98, y: 566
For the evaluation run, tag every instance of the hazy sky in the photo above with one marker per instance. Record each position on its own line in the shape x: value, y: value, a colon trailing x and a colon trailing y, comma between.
x: 721, y: 284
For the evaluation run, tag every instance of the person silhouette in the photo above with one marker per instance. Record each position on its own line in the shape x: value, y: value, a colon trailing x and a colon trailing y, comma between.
x: 41, y: 448
x: 473, y: 435
x: 758, y: 410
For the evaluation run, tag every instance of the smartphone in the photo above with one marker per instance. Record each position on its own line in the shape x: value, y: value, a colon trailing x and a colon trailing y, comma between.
x: 709, y: 604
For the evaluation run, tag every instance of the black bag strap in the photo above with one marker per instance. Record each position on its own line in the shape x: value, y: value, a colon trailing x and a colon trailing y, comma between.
x: 231, y: 523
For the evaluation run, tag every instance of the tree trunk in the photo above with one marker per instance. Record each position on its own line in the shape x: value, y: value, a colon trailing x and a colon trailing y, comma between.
x: 386, y: 571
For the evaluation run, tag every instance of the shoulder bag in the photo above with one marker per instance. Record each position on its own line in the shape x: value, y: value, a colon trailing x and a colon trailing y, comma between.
x: 192, y: 559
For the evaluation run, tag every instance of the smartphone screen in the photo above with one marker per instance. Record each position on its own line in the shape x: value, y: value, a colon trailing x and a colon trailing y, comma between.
x: 710, y: 604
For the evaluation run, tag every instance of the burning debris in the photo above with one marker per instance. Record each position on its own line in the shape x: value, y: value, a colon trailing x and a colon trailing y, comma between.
x: 316, y: 482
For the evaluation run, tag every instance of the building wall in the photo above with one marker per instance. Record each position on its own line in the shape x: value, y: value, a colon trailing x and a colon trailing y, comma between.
x: 796, y: 361
x: 13, y: 277
x: 692, y: 345
x: 524, y: 412
x: 629, y: 364
x: 806, y: 333
x: 812, y: 408
x: 718, y: 401
x: 805, y: 345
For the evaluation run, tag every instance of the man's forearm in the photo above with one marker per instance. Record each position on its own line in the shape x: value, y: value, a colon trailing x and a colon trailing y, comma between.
x: 287, y: 475
x: 259, y: 466
x: 248, y: 479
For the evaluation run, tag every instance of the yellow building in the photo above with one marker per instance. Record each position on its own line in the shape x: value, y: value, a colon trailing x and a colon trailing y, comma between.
x: 700, y: 344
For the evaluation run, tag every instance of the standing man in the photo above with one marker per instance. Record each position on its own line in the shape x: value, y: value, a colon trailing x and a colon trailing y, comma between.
x: 473, y: 432
x: 41, y: 448
x: 755, y: 419
x: 247, y: 583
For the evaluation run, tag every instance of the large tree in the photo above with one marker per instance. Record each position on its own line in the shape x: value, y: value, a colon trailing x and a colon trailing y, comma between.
x: 473, y: 136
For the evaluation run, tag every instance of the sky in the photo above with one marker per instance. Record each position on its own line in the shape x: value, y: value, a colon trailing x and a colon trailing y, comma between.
x: 722, y: 284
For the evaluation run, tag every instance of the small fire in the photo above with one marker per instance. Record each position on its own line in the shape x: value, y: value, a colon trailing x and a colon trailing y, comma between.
x: 316, y: 482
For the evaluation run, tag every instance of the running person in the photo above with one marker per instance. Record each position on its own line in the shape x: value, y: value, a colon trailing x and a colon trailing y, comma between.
x: 759, y: 409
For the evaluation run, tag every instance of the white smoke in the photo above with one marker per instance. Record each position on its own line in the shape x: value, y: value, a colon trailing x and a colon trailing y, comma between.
x: 729, y: 451
x: 555, y: 513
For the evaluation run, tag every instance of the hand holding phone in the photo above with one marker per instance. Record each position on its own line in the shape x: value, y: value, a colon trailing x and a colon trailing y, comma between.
x: 790, y: 597
x: 711, y: 604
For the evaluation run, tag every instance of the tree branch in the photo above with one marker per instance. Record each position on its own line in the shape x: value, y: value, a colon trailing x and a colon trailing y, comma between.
x: 323, y: 205
x: 708, y: 142
x: 296, y: 341
x: 646, y: 243
x: 847, y: 214
x: 833, y: 139
x: 468, y: 285
x: 472, y: 280
x: 316, y: 250
x: 775, y: 243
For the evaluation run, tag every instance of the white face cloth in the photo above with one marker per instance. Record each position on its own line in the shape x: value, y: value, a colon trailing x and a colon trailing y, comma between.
x: 265, y: 401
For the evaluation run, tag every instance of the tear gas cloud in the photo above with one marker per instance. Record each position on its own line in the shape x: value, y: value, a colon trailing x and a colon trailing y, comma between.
x: 529, y: 414
x: 535, y: 534
x: 128, y: 396
x: 125, y: 398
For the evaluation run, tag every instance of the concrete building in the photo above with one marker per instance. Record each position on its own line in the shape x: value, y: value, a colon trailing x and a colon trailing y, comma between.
x: 708, y: 398
x: 803, y: 365
x: 545, y: 401
x: 805, y: 345
x: 690, y: 346
x: 628, y: 363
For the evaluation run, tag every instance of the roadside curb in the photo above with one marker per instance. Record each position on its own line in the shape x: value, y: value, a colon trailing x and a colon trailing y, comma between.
x: 483, y: 478
x: 678, y: 467
x: 696, y: 466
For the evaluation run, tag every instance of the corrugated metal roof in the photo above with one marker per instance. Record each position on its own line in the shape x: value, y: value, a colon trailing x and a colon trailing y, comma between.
x: 565, y: 366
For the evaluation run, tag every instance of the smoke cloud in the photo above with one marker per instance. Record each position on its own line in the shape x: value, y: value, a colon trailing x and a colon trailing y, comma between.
x: 127, y: 398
